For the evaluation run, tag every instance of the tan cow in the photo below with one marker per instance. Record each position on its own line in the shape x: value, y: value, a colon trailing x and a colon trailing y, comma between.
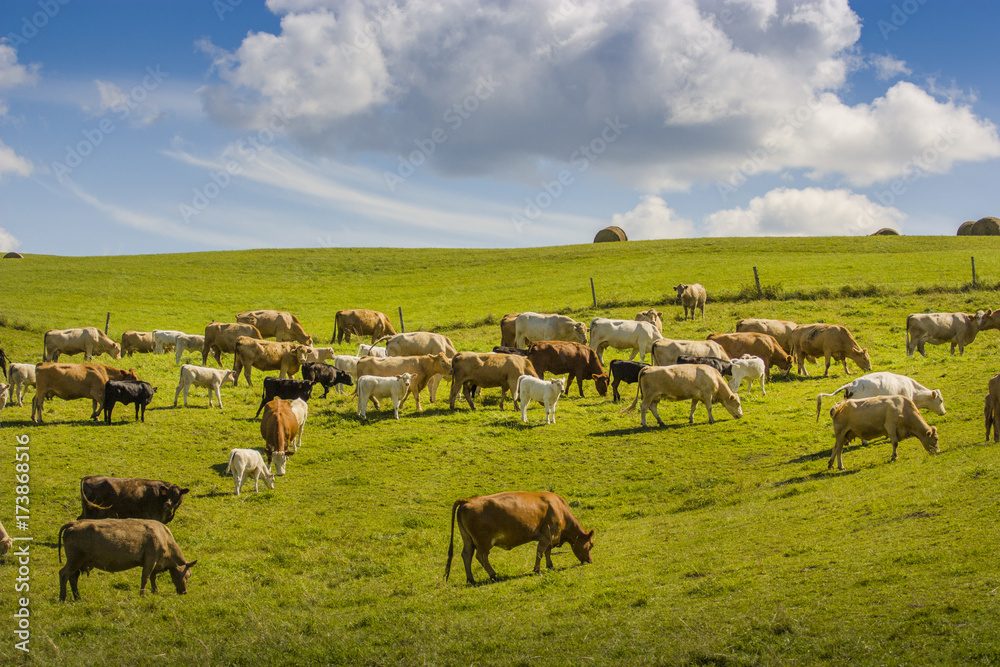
x: 696, y: 382
x: 416, y: 343
x: 221, y: 337
x: 73, y: 381
x: 279, y: 427
x: 487, y: 371
x: 959, y: 329
x: 895, y: 417
x: 652, y: 316
x: 137, y: 341
x: 666, y: 351
x: 779, y: 329
x: 265, y: 356
x: 831, y: 341
x: 692, y: 296
x: 361, y: 323
x: 89, y: 340
x: 508, y: 329
x: 759, y: 345
x: 533, y: 327
x: 992, y: 400
x: 277, y: 324
x: 508, y: 520
x: 422, y: 367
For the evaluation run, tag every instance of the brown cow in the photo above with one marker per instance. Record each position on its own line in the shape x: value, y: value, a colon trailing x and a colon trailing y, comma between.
x: 832, y: 341
x: 993, y: 408
x: 423, y: 367
x: 652, y: 316
x: 779, y: 329
x: 279, y: 426
x: 487, y: 371
x: 360, y: 322
x: 221, y: 337
x: 759, y: 345
x: 507, y: 329
x: 959, y: 329
x: 114, y: 545
x: 508, y: 520
x: 72, y: 381
x: 415, y: 343
x: 692, y: 296
x: 277, y: 324
x: 265, y: 356
x: 895, y: 417
x: 129, y: 498
x: 696, y: 382
x: 579, y: 361
x: 137, y: 341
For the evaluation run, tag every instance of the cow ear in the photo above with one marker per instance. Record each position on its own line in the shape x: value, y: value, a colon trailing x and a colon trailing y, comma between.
x: 191, y: 564
x: 590, y: 535
x: 183, y: 491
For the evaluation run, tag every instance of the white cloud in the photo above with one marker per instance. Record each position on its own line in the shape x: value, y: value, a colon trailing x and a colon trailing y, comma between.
x: 7, y: 241
x: 12, y: 163
x: 11, y: 73
x: 111, y: 98
x: 887, y: 67
x: 806, y: 212
x: 653, y: 219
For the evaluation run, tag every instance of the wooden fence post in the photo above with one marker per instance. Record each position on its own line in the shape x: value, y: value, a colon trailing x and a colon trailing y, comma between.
x: 756, y: 279
x: 402, y: 327
x: 973, y: 272
x: 593, y: 293
x: 106, y: 323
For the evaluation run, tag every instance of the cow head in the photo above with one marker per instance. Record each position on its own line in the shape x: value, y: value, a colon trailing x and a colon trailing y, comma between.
x: 561, y: 383
x: 732, y: 403
x: 341, y: 377
x: 862, y: 359
x: 304, y: 354
x: 171, y: 496
x: 930, y: 441
x: 268, y: 478
x: 229, y: 376
x: 784, y: 363
x: 180, y: 574
x: 936, y: 402
x: 116, y: 350
x: 580, y: 329
x: 130, y: 375
x: 989, y: 319
x: 680, y: 289
x: 440, y: 363
x: 600, y: 383
x: 582, y: 547
x: 280, y: 459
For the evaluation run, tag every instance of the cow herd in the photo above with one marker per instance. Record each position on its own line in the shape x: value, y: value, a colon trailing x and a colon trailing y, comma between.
x: 123, y: 520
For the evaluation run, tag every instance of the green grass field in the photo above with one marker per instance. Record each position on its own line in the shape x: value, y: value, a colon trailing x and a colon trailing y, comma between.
x: 728, y: 544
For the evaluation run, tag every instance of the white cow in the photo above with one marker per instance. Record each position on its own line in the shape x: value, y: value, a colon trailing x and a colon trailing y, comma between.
x: 750, y: 368
x: 165, y: 338
x: 246, y: 462
x: 546, y: 392
x: 959, y: 329
x: 371, y: 387
x: 370, y: 351
x: 315, y: 354
x: 301, y: 410
x: 666, y: 351
x: 187, y: 343
x: 884, y: 383
x: 20, y: 376
x: 533, y: 327
x: 201, y: 376
x: 348, y: 363
x: 622, y: 335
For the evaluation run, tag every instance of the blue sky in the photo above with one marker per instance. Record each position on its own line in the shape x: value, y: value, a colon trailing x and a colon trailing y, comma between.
x: 145, y: 127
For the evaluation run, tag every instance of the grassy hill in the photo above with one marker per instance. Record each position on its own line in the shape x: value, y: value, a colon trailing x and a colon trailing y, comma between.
x: 727, y: 544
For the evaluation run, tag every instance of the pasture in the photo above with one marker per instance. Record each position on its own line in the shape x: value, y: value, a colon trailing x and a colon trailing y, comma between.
x: 728, y: 544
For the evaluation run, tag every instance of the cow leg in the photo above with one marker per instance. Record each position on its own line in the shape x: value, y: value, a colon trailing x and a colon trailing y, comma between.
x: 615, y: 396
x: 432, y: 386
x: 763, y: 389
x: 579, y: 382
x: 848, y: 372
x: 74, y: 579
x: 708, y: 407
x: 147, y: 569
x: 63, y: 578
x: 694, y: 404
x: 218, y: 396
x: 631, y: 357
x: 653, y: 407
x: 395, y: 409
x: 453, y: 394
x: 238, y: 480
x: 468, y: 551
x: 524, y: 409
x: 484, y: 558
x: 544, y: 549
x: 177, y: 394
x: 550, y: 412
x: 36, y: 406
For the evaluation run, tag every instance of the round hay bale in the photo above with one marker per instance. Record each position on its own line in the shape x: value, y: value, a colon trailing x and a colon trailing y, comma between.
x: 609, y: 234
x: 13, y: 255
x: 986, y: 227
x: 885, y: 231
x: 965, y: 229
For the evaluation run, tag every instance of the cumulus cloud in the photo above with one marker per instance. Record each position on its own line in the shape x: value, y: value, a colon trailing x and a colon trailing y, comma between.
x: 12, y: 163
x: 13, y: 74
x: 653, y: 219
x: 7, y: 241
x: 805, y: 212
x: 887, y: 67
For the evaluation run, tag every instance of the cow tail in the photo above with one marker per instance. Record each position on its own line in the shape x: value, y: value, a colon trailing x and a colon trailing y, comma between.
x: 59, y: 543
x: 908, y: 318
x: 819, y: 399
x: 451, y: 541
x: 229, y: 464
x: 517, y: 389
x: 334, y: 330
x: 638, y: 393
x: 45, y: 347
x: 380, y: 340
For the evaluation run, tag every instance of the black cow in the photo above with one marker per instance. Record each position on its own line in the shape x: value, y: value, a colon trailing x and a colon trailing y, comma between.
x: 624, y: 371
x: 504, y: 349
x: 129, y: 498
x: 125, y: 392
x: 326, y: 375
x: 3, y: 362
x: 288, y: 390
x: 720, y: 365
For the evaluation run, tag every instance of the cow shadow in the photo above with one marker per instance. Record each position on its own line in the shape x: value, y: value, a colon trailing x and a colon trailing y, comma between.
x: 220, y: 468
x: 812, y: 477
x: 826, y: 454
x: 652, y: 428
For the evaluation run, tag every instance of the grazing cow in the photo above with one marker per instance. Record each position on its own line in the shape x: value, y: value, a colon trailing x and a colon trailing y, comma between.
x: 301, y: 410
x: 370, y: 351
x: 114, y: 545
x: 486, y: 371
x: 326, y: 375
x: 89, y: 340
x: 244, y: 463
x: 187, y: 343
x: 202, y: 376
x: 129, y: 498
x: 749, y: 368
x: 361, y: 323
x: 313, y: 355
x: 692, y: 296
x: 778, y: 329
x: 287, y: 389
x: 830, y: 341
x: 21, y: 376
x: 624, y: 371
x: 506, y: 349
x: 165, y: 339
x: 885, y: 383
x: 422, y: 367
x: 763, y: 346
x: 508, y: 520
x: 652, y: 316
x: 6, y: 541
x: 579, y: 361
x: 534, y: 327
x: 373, y: 387
x: 959, y: 329
x: 546, y: 392
x: 279, y: 426
x: 895, y: 417
x: 277, y: 324
x: 221, y: 338
x: 137, y: 341
x: 681, y: 383
x: 125, y: 392
x: 73, y: 381
x: 992, y: 409
x: 420, y: 342
x: 508, y: 329
x: 666, y: 351
x: 265, y: 356
x: 724, y: 367
x: 622, y: 335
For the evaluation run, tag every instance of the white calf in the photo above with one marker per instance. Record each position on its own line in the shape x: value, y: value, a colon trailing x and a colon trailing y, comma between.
x: 189, y: 343
x: 751, y: 368
x: 348, y: 364
x: 545, y: 392
x: 371, y: 387
x: 301, y: 410
x: 370, y: 351
x: 4, y: 391
x: 200, y: 376
x: 163, y: 338
x: 20, y: 376
x: 246, y: 462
